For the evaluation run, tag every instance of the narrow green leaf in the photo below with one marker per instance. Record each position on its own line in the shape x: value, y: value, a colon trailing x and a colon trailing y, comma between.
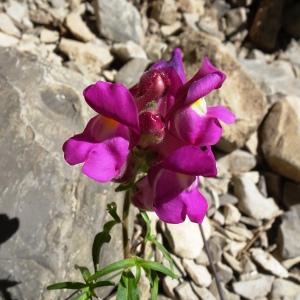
x: 101, y: 283
x: 138, y: 273
x: 99, y: 240
x: 123, y: 187
x: 152, y: 265
x: 84, y: 272
x: 163, y: 250
x: 148, y: 224
x: 154, y: 280
x: 127, y: 288
x: 122, y: 264
x: 112, y: 210
x: 66, y: 285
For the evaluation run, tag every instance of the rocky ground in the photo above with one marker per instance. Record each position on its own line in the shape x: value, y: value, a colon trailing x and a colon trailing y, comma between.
x: 54, y: 48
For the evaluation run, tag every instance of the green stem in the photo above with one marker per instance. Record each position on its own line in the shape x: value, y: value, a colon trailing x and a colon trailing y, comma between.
x: 126, y: 206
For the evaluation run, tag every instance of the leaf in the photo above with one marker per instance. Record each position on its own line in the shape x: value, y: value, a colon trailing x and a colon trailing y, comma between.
x: 101, y: 283
x: 99, y: 240
x: 122, y: 264
x: 84, y: 272
x: 112, y: 210
x: 163, y: 250
x: 127, y: 288
x: 148, y: 224
x: 152, y: 265
x: 66, y: 285
x: 154, y: 280
x: 83, y: 296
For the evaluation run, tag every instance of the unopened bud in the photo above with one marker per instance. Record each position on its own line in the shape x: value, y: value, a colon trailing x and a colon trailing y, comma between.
x: 152, y: 127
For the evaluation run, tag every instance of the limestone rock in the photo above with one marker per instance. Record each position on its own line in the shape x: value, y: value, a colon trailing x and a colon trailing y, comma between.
x: 131, y: 72
x: 119, y: 21
x: 284, y: 288
x: 78, y: 27
x: 231, y: 214
x: 185, y: 292
x: 238, y: 161
x: 251, y: 201
x: 95, y: 57
x: 7, y: 26
x: 268, y: 262
x: 128, y: 50
x: 256, y: 287
x: 198, y: 273
x: 185, y: 238
x: 8, y: 40
x: 59, y: 209
x: 280, y: 138
x: 49, y: 36
x: 169, y: 285
x: 164, y: 11
x: 289, y: 229
x: 236, y: 90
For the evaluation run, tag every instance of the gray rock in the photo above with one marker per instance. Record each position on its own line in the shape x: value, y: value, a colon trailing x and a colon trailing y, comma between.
x: 119, y: 21
x: 185, y: 292
x: 277, y: 77
x: 225, y: 273
x: 251, y: 201
x: 94, y: 57
x: 280, y: 138
x: 228, y: 199
x: 284, y: 288
x: 131, y: 72
x: 269, y: 262
x: 18, y: 11
x: 289, y: 229
x: 128, y: 50
x: 199, y: 274
x: 8, y: 26
x: 78, y: 27
x: 236, y: 162
x: 259, y: 286
x: 164, y: 11
x: 203, y: 293
x: 231, y: 214
x: 59, y: 210
x: 169, y: 285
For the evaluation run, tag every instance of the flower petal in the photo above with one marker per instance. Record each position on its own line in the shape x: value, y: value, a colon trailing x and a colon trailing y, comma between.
x: 173, y: 208
x: 97, y: 129
x: 106, y: 160
x: 195, y: 129
x: 113, y: 100
x: 221, y: 113
x: 143, y: 198
x: 175, y: 62
x: 191, y: 160
x: 202, y: 87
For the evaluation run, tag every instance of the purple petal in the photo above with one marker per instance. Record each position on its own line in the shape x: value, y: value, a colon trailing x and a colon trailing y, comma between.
x: 97, y: 129
x: 175, y: 62
x: 192, y: 160
x: 195, y: 129
x: 106, y: 160
x: 202, y: 87
x: 221, y: 113
x: 173, y: 208
x: 143, y: 197
x: 208, y: 68
x: 114, y: 101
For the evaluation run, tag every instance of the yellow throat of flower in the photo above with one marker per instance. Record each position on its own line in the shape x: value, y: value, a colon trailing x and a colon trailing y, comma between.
x: 199, y: 107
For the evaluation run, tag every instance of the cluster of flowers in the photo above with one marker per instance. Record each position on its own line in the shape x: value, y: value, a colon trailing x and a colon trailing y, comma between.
x: 157, y: 136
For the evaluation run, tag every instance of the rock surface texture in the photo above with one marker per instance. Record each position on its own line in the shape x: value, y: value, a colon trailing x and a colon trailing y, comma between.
x: 58, y: 213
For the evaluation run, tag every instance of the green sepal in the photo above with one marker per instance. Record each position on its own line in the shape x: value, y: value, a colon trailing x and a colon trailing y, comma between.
x: 84, y: 272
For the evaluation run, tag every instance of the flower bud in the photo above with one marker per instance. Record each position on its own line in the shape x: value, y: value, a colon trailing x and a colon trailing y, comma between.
x: 152, y: 128
x: 151, y: 87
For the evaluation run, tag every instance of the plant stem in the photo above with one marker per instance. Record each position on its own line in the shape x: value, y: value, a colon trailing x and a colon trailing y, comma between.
x: 212, y: 265
x: 126, y: 206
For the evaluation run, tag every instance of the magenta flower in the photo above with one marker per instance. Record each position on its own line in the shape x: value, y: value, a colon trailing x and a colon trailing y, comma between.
x: 163, y: 117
